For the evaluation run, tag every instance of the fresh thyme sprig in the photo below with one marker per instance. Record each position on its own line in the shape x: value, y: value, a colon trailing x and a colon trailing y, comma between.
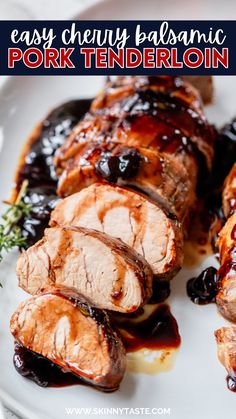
x: 10, y: 233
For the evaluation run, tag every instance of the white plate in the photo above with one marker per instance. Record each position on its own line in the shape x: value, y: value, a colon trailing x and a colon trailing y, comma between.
x: 196, y: 386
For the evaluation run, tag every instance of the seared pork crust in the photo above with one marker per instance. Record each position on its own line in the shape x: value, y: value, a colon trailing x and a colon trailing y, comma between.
x: 169, y: 99
x: 73, y: 335
x: 162, y: 114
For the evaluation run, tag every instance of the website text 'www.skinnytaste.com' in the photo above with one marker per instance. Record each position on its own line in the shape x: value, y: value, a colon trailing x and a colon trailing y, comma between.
x: 113, y: 411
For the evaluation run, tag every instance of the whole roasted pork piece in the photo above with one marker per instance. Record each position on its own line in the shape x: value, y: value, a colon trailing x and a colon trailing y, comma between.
x: 104, y: 270
x: 127, y: 215
x: 226, y: 296
x: 148, y: 133
x: 74, y: 336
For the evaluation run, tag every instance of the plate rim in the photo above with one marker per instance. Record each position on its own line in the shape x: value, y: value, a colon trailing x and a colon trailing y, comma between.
x: 17, y: 407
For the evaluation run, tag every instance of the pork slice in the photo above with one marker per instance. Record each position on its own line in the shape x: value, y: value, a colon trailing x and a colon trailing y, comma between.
x: 161, y: 176
x: 229, y: 193
x: 226, y: 296
x: 72, y: 335
x: 129, y: 216
x: 226, y: 348
x: 108, y: 273
x: 184, y: 87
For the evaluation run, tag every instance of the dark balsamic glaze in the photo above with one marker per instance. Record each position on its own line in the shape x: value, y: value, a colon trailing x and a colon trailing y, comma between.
x: 158, y: 331
x: 203, y: 289
x: 43, y: 200
x: 160, y: 291
x: 125, y: 164
x: 40, y: 370
x: 163, y: 103
x: 38, y: 166
x: 45, y: 373
x: 176, y: 113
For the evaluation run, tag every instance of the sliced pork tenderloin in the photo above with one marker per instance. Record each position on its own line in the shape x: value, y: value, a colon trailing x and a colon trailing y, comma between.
x: 161, y: 177
x: 129, y: 216
x: 107, y: 272
x: 72, y: 335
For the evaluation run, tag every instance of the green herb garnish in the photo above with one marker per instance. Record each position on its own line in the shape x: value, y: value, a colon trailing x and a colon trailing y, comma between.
x: 10, y: 233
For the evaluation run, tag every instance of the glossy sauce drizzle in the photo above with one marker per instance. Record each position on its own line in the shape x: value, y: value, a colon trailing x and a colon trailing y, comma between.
x: 203, y: 289
x: 159, y: 330
x: 40, y: 370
